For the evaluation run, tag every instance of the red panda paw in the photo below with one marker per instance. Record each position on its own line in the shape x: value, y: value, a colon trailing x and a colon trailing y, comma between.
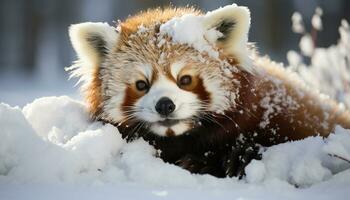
x: 239, y: 157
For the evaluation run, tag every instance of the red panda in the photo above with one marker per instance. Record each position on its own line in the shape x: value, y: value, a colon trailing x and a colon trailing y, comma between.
x: 192, y: 85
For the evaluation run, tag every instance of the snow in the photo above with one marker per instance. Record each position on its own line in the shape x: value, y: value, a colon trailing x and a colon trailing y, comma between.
x: 294, y: 58
x: 51, y: 149
x: 306, y: 45
x: 299, y: 163
x: 329, y: 70
x: 190, y: 29
x: 338, y: 145
x: 297, y: 23
x: 316, y: 19
x: 27, y: 156
x: 62, y: 125
x: 52, y: 143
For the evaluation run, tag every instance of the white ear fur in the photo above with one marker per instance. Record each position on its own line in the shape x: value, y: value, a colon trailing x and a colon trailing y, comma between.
x: 234, y: 22
x: 91, y: 41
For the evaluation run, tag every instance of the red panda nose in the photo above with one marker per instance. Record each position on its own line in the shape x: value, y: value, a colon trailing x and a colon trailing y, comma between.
x: 165, y: 106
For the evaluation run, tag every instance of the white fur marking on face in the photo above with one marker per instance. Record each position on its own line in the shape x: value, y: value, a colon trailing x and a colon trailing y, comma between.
x: 176, y: 68
x: 113, y: 108
x: 178, y: 129
x: 219, y: 99
x: 146, y: 70
x: 147, y: 114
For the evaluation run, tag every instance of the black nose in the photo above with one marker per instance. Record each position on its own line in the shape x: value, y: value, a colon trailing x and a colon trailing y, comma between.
x: 165, y: 106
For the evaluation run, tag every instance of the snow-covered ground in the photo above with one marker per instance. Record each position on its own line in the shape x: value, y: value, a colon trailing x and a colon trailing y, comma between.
x: 50, y: 149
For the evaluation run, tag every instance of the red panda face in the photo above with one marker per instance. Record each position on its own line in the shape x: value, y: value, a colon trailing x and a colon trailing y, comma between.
x: 170, y: 102
x: 167, y: 88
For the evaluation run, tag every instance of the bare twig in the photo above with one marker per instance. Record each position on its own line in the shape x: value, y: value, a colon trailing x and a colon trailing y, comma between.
x: 340, y: 157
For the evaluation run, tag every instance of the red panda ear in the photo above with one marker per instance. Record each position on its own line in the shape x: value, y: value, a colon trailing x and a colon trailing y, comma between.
x: 92, y: 41
x: 233, y: 22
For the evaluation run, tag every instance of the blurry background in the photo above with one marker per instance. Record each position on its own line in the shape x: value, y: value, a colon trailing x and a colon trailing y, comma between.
x: 35, y: 48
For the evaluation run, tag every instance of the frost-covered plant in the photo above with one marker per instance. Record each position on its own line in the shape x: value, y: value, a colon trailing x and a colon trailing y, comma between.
x: 329, y: 68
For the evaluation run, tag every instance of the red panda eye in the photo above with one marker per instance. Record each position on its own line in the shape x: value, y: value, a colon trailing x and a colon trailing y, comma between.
x: 141, y: 85
x: 185, y: 80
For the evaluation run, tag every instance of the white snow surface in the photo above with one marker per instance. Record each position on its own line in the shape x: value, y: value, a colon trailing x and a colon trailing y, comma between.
x: 50, y: 149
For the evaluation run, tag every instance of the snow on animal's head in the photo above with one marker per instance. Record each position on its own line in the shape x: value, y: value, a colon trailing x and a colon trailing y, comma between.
x: 164, y: 69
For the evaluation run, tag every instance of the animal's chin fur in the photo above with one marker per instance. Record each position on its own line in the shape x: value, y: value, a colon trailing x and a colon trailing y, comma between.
x: 162, y: 128
x: 177, y: 128
x: 173, y: 127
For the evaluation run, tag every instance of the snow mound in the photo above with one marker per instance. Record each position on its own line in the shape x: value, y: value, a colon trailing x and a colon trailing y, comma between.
x: 303, y: 163
x: 28, y: 154
x: 52, y: 140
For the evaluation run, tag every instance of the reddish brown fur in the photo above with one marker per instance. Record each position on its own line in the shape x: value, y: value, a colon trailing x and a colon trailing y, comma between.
x: 200, y: 90
x: 93, y: 94
x: 170, y: 133
x: 287, y: 124
x: 131, y: 96
x: 151, y: 17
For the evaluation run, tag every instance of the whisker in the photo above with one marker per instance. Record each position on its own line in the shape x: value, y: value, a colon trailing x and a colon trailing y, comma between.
x: 246, y: 110
x: 135, y: 128
x: 127, y: 118
x: 232, y: 121
x: 211, y: 119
